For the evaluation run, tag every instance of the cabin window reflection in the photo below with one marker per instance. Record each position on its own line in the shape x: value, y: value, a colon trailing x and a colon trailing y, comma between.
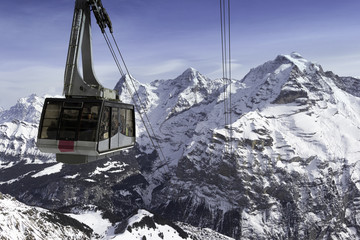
x: 51, y: 120
x: 88, y: 122
x: 114, y: 122
x: 129, y: 123
x: 69, y: 124
x: 122, y: 127
x: 104, y: 124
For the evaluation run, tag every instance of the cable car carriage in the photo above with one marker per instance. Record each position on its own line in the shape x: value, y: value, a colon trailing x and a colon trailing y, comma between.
x: 90, y: 123
x: 84, y: 130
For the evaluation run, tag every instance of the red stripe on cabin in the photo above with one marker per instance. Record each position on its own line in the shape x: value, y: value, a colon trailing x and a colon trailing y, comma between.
x: 66, y: 146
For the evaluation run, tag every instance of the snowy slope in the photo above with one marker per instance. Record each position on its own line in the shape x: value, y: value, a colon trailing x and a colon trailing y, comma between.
x: 145, y: 225
x: 140, y: 225
x: 18, y: 221
x: 18, y: 131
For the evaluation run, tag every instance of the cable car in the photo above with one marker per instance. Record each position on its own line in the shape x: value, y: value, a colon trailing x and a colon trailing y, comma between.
x: 90, y: 123
x: 84, y: 130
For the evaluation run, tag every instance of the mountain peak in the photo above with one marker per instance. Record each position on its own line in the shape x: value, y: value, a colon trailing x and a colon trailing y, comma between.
x: 120, y: 85
x: 189, y: 73
x: 190, y: 70
x: 26, y: 109
x: 285, y: 79
x: 296, y: 55
x: 303, y: 64
x: 125, y: 82
x: 191, y: 76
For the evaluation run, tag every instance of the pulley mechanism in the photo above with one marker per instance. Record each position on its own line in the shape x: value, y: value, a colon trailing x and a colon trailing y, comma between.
x: 102, y: 17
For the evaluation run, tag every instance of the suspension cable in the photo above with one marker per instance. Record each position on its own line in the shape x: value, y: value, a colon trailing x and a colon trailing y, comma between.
x: 141, y: 110
x: 226, y: 63
x: 223, y: 55
x: 230, y: 81
x: 139, y: 99
x: 113, y: 54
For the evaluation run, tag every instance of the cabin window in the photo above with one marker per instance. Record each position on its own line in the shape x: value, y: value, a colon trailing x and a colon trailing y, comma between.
x: 129, y: 123
x: 122, y: 128
x: 51, y: 120
x: 104, y: 124
x: 74, y: 121
x: 114, y: 121
x: 69, y: 124
x: 88, y: 122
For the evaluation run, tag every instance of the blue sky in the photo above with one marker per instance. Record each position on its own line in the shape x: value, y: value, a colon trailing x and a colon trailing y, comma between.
x: 159, y: 39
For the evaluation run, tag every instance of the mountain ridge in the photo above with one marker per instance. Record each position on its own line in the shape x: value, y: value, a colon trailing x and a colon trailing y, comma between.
x: 292, y: 172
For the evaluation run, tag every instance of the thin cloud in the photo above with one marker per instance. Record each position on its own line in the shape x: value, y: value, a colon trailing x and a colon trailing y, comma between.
x: 164, y: 69
x: 20, y: 82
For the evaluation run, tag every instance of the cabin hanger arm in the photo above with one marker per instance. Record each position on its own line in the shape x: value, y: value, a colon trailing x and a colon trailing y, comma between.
x: 85, y: 85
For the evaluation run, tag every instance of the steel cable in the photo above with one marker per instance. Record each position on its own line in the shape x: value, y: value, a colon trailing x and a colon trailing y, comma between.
x: 152, y: 136
x: 226, y: 64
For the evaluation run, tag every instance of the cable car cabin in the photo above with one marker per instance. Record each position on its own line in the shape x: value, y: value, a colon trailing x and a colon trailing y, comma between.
x: 84, y: 130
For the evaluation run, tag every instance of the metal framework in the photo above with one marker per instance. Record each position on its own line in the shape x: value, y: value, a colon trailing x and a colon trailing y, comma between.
x: 86, y: 85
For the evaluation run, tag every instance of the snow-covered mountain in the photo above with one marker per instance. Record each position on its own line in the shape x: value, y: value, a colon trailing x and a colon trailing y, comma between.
x: 18, y: 131
x: 288, y: 169
x: 18, y: 221
x: 149, y: 226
